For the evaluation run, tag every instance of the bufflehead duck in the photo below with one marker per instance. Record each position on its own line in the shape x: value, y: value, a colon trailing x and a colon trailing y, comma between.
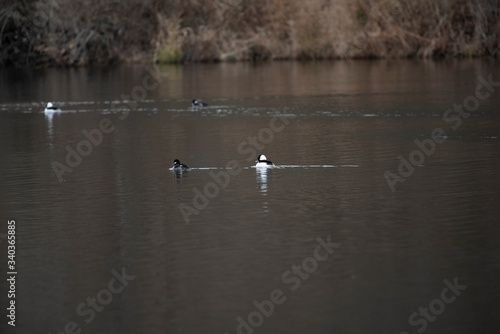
x: 50, y: 108
x: 178, y: 167
x: 198, y: 103
x: 263, y: 162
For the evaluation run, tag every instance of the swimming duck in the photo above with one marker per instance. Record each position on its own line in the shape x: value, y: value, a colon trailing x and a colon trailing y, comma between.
x: 178, y: 167
x: 198, y: 103
x: 51, y: 108
x: 263, y: 162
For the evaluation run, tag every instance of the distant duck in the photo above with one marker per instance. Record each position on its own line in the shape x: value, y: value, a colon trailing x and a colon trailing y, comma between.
x: 178, y: 167
x: 198, y: 104
x: 263, y: 162
x: 51, y: 108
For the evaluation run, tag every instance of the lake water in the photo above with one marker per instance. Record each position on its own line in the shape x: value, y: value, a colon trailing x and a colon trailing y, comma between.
x: 335, y: 239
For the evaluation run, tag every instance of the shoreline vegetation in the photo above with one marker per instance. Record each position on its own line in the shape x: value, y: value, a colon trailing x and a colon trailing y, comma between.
x: 40, y: 33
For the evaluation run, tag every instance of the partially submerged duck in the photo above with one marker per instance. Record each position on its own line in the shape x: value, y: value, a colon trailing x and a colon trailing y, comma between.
x: 263, y: 162
x: 198, y: 103
x: 178, y: 167
x: 51, y: 108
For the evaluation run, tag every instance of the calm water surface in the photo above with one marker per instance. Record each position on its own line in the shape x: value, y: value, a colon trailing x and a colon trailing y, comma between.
x: 204, y: 256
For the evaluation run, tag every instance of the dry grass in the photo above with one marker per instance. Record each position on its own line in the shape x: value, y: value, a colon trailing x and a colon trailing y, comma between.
x: 63, y: 32
x: 429, y: 28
